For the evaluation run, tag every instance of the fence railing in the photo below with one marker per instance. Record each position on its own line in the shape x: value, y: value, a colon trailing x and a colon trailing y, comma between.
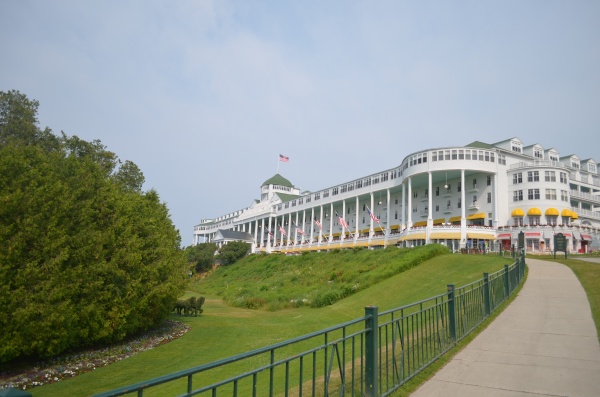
x: 370, y: 356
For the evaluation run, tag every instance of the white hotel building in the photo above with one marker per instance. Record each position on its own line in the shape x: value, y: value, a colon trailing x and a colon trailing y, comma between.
x: 467, y: 197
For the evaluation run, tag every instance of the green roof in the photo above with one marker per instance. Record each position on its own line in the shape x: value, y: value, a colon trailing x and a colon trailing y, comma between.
x: 277, y: 180
x: 286, y: 197
x: 480, y: 145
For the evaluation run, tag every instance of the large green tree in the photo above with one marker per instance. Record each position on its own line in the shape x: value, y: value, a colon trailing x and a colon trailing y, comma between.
x: 86, y: 256
x: 201, y: 257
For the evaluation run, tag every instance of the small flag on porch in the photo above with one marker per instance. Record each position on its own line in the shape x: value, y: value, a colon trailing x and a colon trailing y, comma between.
x: 318, y: 223
x: 298, y: 229
x: 282, y: 230
x: 341, y: 221
x: 372, y: 215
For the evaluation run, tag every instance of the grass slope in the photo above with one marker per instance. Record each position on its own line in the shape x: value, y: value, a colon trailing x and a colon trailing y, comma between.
x: 276, y: 282
x: 223, y: 330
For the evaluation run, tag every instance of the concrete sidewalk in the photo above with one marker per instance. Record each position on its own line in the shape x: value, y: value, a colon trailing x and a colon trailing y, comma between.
x: 543, y: 344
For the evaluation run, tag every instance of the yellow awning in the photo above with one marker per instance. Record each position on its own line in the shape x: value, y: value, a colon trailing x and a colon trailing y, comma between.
x: 361, y: 244
x: 552, y: 212
x: 517, y: 212
x: 376, y: 243
x: 566, y: 213
x: 420, y: 223
x: 454, y: 219
x: 574, y: 215
x: 439, y: 221
x: 416, y: 236
x: 445, y: 235
x: 534, y: 212
x: 393, y: 241
x: 336, y: 234
x: 479, y: 215
x: 481, y: 236
x: 394, y: 227
x: 365, y: 230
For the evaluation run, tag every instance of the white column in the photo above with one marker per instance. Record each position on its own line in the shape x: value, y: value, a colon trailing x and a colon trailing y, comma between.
x: 331, y: 222
x: 289, y: 229
x: 321, y: 222
x: 463, y: 219
x: 403, y: 208
x: 296, y: 230
x: 371, y: 219
x: 356, y: 233
x: 262, y: 232
x: 303, y: 223
x: 495, y: 198
x: 343, y: 235
x: 312, y: 225
x: 389, y: 210
x: 409, y: 202
x: 429, y: 205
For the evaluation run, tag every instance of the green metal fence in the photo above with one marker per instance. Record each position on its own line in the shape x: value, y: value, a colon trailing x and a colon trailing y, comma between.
x: 370, y: 356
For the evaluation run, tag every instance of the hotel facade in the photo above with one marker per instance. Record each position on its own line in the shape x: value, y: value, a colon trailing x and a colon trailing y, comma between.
x: 470, y: 198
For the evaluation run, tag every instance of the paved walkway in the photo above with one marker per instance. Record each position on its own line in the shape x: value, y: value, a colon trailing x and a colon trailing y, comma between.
x: 543, y: 344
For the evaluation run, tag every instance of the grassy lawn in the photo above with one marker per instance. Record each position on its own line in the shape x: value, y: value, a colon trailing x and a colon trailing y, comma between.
x: 223, y: 330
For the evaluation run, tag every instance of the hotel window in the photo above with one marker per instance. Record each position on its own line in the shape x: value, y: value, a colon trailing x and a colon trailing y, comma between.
x: 575, y: 164
x: 533, y: 176
x: 326, y: 193
x: 358, y: 184
x: 334, y: 191
x: 518, y: 195
x: 564, y: 196
x: 459, y: 203
x: 294, y: 203
x: 317, y: 196
x: 553, y: 157
x: 592, y: 168
x: 489, y: 180
x: 437, y: 207
x: 467, y: 154
x: 502, y: 159
x: 474, y: 200
x: 550, y: 176
x: 396, y: 214
x: 551, y: 220
x: 517, y: 178
x: 437, y: 190
x: 518, y: 221
x: 550, y: 194
x: 364, y: 205
x: 487, y: 156
x: 348, y: 211
x: 415, y: 194
x: 459, y: 187
x: 384, y: 177
x: 474, y: 183
x: 363, y: 220
x: 461, y: 154
x: 308, y: 199
x: 538, y: 153
x: 375, y: 180
x: 434, y: 156
x: 426, y: 193
x: 492, y: 159
x: 534, y: 220
x: 563, y: 177
x: 448, y: 205
x: 454, y: 154
x: 516, y: 146
x: 533, y: 194
x: 481, y: 155
x: 447, y: 155
x: 287, y: 205
x: 344, y: 188
x: 489, y: 198
x: 449, y: 189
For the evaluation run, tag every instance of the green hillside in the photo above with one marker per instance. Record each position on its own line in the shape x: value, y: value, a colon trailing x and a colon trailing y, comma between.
x: 223, y: 330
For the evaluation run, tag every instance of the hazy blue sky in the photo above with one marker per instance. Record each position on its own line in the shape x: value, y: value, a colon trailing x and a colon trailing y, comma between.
x: 204, y: 95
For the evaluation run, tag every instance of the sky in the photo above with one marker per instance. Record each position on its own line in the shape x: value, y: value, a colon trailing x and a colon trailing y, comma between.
x: 204, y: 95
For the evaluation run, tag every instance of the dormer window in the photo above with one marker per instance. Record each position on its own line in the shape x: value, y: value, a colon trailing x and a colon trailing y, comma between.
x: 553, y: 157
x: 516, y: 146
x: 592, y: 167
x: 575, y: 164
x: 538, y: 153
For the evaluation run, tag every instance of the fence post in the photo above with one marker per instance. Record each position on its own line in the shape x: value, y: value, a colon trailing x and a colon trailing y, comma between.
x: 486, y: 293
x: 451, y: 312
x: 371, y: 351
x: 506, y: 281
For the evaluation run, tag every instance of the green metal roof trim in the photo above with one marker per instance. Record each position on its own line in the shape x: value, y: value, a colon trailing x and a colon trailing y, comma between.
x: 286, y: 197
x: 480, y: 145
x: 277, y: 180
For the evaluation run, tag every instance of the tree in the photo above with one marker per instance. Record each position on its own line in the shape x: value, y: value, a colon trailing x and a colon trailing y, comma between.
x: 130, y: 177
x: 82, y: 260
x: 201, y: 257
x: 233, y: 251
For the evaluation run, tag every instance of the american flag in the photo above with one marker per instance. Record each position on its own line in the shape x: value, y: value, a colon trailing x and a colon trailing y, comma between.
x: 372, y: 215
x: 268, y: 231
x: 283, y: 158
x: 282, y: 230
x: 342, y: 221
x: 318, y: 223
x: 298, y: 229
